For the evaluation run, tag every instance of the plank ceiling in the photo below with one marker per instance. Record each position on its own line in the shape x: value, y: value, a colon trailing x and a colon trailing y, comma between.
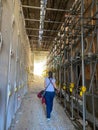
x: 48, y: 24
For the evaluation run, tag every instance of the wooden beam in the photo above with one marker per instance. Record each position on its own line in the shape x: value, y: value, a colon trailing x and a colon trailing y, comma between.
x: 47, y: 21
x: 43, y: 30
x: 48, y: 9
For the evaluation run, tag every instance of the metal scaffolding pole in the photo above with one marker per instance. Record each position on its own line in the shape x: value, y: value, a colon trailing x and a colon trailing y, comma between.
x: 82, y: 47
x: 64, y: 68
x: 93, y: 106
x: 97, y: 24
x: 72, y: 113
x: 60, y: 70
x: 77, y: 86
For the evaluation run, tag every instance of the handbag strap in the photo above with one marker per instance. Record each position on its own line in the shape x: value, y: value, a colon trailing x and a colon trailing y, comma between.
x: 47, y: 86
x: 51, y: 83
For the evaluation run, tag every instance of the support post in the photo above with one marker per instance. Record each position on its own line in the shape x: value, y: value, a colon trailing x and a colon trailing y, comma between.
x: 82, y: 50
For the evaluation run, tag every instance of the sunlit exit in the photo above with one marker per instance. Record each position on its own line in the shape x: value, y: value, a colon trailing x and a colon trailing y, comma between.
x: 39, y: 67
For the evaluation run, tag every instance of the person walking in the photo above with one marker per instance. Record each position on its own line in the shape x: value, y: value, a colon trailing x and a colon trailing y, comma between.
x: 50, y: 93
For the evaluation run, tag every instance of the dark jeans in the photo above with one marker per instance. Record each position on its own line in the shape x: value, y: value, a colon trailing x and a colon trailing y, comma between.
x: 49, y: 96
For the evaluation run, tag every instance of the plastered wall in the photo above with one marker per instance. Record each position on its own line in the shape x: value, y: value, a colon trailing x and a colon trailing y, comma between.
x: 14, y: 60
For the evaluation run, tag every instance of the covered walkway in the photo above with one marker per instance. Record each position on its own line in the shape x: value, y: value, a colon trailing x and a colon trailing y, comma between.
x: 31, y: 115
x: 43, y: 35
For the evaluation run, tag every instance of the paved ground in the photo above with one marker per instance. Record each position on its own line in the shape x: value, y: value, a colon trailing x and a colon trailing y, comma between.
x: 31, y: 115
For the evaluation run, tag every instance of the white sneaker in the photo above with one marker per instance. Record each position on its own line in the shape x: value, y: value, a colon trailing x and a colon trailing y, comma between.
x: 48, y: 119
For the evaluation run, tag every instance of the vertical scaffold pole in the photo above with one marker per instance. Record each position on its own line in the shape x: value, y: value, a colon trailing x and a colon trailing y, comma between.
x: 64, y: 67
x: 82, y: 47
x: 72, y: 115
x: 97, y: 25
x: 93, y: 105
x: 60, y: 78
x: 0, y: 13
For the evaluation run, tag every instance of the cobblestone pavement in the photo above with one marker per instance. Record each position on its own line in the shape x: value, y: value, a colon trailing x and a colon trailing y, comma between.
x: 31, y: 115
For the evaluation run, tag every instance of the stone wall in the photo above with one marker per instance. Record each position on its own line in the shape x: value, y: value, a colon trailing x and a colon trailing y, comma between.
x: 14, y: 60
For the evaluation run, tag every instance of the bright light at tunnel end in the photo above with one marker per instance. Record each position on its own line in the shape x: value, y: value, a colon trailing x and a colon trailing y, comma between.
x: 39, y: 68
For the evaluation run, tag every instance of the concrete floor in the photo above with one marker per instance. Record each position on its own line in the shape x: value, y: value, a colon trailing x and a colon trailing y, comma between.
x: 31, y: 115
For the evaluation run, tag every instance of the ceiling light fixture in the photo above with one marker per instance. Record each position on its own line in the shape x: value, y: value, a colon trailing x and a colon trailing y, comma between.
x: 43, y: 4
